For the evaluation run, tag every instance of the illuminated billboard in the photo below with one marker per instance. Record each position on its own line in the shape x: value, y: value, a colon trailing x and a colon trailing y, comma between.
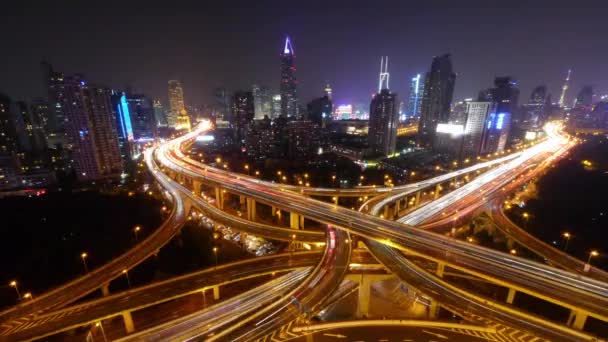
x: 448, y: 128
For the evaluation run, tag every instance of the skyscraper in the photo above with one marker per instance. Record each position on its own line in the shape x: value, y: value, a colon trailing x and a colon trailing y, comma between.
x: 437, y: 97
x: 584, y: 99
x: 275, y: 111
x: 328, y: 90
x: 302, y: 140
x: 477, y: 115
x: 159, y: 114
x: 535, y: 109
x: 242, y: 113
x: 124, y: 126
x: 91, y: 129
x: 319, y: 111
x: 383, y: 123
x: 289, y: 99
x: 55, y: 127
x: 9, y: 163
x: 415, y: 98
x: 176, y: 103
x: 142, y: 116
x: 262, y: 101
x: 384, y: 76
x: 505, y: 95
x: 562, y: 98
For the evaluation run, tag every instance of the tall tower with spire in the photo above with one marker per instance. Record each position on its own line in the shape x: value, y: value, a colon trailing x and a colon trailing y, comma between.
x: 289, y: 99
x: 562, y: 98
x: 384, y: 75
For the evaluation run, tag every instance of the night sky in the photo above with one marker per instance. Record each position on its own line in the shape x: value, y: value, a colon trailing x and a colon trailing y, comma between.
x: 237, y: 43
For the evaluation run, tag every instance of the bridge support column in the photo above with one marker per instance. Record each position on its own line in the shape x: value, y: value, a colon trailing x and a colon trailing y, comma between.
x: 128, y: 320
x: 216, y: 293
x: 417, y: 201
x: 437, y: 190
x: 251, y: 212
x: 219, y: 197
x: 440, y: 269
x: 105, y: 289
x: 433, y: 309
x: 294, y: 220
x: 197, y: 187
x: 577, y: 319
x: 387, y: 212
x: 511, y: 296
x: 242, y: 199
x: 335, y: 200
x: 397, y: 208
x: 365, y: 286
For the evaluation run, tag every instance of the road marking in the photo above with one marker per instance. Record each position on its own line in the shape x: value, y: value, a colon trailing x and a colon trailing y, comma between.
x: 334, y: 335
x: 435, y: 334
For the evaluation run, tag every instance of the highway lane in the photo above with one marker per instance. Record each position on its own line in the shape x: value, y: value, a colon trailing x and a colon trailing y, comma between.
x: 205, y: 322
x: 539, y: 280
x: 81, y: 286
x: 308, y: 298
x: 156, y: 293
x: 467, y: 304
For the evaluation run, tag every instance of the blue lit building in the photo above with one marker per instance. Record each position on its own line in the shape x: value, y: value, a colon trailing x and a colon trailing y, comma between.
x: 416, y: 90
x: 124, y: 126
x: 498, y: 125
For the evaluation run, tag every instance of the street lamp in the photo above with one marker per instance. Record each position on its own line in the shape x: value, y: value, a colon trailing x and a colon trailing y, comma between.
x: 28, y: 295
x: 14, y: 284
x: 215, y: 249
x: 103, y: 333
x: 126, y: 273
x: 135, y: 231
x: 567, y: 236
x: 513, y: 251
x: 593, y: 253
x: 526, y: 217
x: 84, y: 256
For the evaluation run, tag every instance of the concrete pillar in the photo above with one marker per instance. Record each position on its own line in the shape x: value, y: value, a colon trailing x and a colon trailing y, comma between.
x: 251, y: 212
x: 577, y: 319
x: 440, y: 269
x: 196, y: 187
x: 294, y: 220
x: 273, y: 210
x: 433, y: 309
x: 511, y: 296
x: 397, y: 206
x: 105, y: 289
x: 219, y: 197
x: 335, y: 199
x: 216, y: 292
x: 417, y: 202
x: 301, y: 222
x: 242, y: 199
x: 386, y: 211
x: 128, y: 319
x: 364, y: 296
x: 437, y: 190
x: 510, y: 243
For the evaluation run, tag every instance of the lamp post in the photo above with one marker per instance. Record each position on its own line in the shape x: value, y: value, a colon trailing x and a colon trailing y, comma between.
x: 566, y: 236
x: 28, y: 295
x: 126, y: 273
x: 16, y: 286
x: 215, y: 249
x: 136, y: 231
x: 84, y: 256
x: 593, y: 253
x: 526, y: 216
x: 103, y: 332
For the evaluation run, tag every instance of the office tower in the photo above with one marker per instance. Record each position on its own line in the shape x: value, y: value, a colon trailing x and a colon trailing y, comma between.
x: 289, y: 99
x: 328, y: 90
x: 562, y: 98
x: 176, y: 103
x: 33, y: 140
x: 415, y: 98
x: 91, y: 130
x: 242, y: 113
x: 535, y: 109
x: 474, y: 128
x: 124, y: 125
x: 383, y: 123
x: 437, y: 97
x: 584, y: 99
x: 262, y: 101
x: 56, y: 124
x: 9, y: 163
x: 142, y: 116
x: 223, y: 106
x: 276, y: 106
x: 319, y: 110
x: 303, y: 140
x: 159, y: 114
x: 505, y: 94
x: 449, y: 135
x: 384, y: 76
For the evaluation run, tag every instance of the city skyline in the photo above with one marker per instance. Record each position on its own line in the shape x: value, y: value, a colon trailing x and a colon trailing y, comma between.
x: 348, y: 59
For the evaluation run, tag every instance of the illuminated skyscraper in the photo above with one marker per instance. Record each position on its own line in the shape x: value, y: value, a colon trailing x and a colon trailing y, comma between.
x: 383, y: 123
x: 159, y: 114
x: 55, y: 126
x: 584, y: 99
x: 142, y: 116
x: 242, y: 113
x: 415, y: 99
x: 289, y: 99
x: 535, y: 109
x: 328, y: 91
x: 91, y: 129
x: 562, y: 98
x: 505, y: 95
x: 275, y: 111
x: 176, y: 103
x: 384, y: 77
x: 124, y: 126
x: 437, y: 97
x: 262, y: 101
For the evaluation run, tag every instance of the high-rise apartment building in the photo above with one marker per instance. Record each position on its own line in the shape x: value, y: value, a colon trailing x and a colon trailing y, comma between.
x: 383, y: 120
x: 275, y: 111
x: 262, y: 101
x: 142, y: 116
x: 535, y: 111
x: 437, y: 98
x: 505, y: 95
x: 289, y: 98
x: 319, y: 111
x: 159, y: 114
x: 474, y: 128
x: 242, y: 113
x: 55, y: 127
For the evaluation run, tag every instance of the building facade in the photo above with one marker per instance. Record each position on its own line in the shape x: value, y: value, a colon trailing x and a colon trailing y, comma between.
x: 415, y: 97
x: 243, y: 112
x: 383, y: 120
x: 176, y: 103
